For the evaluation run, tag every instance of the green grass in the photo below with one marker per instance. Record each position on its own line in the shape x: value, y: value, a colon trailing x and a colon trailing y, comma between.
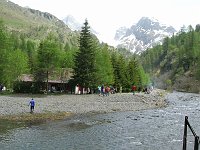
x: 23, y: 120
x: 6, y: 125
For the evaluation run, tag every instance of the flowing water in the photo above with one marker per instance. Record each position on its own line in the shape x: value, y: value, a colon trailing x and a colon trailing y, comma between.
x: 156, y: 129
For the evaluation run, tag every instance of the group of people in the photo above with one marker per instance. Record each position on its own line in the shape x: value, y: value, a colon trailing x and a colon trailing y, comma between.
x: 104, y: 90
x: 146, y: 89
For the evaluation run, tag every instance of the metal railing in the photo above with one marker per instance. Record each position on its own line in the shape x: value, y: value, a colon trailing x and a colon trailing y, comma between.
x: 196, y: 138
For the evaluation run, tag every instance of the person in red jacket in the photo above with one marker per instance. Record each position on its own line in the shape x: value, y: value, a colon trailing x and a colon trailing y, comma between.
x: 134, y: 89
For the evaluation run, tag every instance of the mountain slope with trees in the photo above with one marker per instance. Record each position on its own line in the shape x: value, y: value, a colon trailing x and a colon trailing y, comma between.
x: 38, y: 45
x: 35, y: 24
x: 176, y: 63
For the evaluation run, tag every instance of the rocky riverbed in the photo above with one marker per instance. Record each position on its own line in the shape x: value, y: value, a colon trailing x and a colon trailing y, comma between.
x: 151, y: 129
x: 18, y: 104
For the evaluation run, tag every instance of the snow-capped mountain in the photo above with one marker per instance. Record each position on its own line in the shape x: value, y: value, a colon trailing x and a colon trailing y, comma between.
x: 142, y: 35
x: 74, y: 25
x: 120, y: 33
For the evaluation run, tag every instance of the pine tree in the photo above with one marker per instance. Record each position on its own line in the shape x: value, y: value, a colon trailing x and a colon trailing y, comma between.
x: 84, y: 69
x: 31, y: 54
x: 114, y: 59
x: 123, y: 74
x: 132, y: 68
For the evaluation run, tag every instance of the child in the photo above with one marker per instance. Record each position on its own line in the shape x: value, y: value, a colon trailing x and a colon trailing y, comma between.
x: 32, y: 105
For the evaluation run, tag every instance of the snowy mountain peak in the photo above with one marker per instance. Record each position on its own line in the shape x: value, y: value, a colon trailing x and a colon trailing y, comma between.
x: 120, y: 33
x: 142, y: 35
x: 72, y: 23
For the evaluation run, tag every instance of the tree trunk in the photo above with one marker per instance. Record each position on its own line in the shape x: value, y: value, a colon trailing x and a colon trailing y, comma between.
x: 47, y: 82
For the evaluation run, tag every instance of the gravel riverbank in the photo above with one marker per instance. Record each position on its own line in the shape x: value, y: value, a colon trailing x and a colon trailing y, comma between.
x: 18, y: 104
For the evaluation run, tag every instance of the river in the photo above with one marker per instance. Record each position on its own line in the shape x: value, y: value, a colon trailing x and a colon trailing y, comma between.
x: 156, y: 129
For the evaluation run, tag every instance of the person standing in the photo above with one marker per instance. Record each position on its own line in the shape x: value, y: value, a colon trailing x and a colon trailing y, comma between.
x: 32, y: 105
x: 103, y: 90
x: 107, y: 90
x: 99, y: 90
x: 134, y: 89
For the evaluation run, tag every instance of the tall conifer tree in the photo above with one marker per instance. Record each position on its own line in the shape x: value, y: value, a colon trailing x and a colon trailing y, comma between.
x: 84, y: 69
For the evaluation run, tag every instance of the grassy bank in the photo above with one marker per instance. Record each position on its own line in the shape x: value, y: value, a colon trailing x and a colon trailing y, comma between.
x: 23, y: 120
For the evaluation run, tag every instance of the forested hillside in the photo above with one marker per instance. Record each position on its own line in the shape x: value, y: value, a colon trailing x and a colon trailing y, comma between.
x: 48, y: 56
x: 35, y: 24
x: 176, y: 63
x: 20, y: 54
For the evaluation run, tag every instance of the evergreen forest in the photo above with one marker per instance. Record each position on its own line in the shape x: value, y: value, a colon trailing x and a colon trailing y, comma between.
x: 176, y: 61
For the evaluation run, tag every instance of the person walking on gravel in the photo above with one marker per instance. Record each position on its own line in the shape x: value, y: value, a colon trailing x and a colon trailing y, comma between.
x: 32, y: 105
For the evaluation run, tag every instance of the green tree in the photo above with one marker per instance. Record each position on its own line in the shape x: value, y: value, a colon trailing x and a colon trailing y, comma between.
x: 31, y: 52
x: 114, y: 59
x: 104, y: 66
x: 143, y: 77
x: 48, y: 59
x: 123, y: 74
x: 5, y: 48
x: 23, y: 42
x: 132, y: 68
x: 16, y: 65
x: 165, y: 46
x: 16, y: 41
x: 138, y: 76
x: 67, y: 57
x: 84, y: 69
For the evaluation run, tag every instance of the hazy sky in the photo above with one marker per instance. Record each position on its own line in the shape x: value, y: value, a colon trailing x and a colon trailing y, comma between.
x: 105, y: 16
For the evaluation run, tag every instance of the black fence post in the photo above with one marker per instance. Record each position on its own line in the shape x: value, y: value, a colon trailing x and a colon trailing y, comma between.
x: 196, y: 143
x: 185, y: 134
x: 196, y: 140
